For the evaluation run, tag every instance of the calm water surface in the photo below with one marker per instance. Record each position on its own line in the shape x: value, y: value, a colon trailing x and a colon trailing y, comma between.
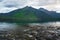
x: 14, y: 26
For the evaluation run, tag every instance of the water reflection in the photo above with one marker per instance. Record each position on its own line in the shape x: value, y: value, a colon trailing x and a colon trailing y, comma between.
x: 46, y: 24
x: 7, y: 26
x: 12, y: 26
x: 12, y: 31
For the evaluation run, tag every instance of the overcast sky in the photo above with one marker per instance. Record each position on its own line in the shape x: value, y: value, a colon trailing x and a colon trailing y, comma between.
x: 9, y: 5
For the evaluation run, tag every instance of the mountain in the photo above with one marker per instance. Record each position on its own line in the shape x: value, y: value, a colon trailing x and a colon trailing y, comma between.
x: 29, y: 14
x: 53, y: 14
x: 42, y: 13
x: 25, y: 14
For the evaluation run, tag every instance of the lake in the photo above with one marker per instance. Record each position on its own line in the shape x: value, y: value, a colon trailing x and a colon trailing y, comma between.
x: 22, y: 31
x: 15, y: 26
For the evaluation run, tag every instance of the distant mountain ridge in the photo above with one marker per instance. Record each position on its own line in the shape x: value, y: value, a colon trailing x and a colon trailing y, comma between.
x: 30, y: 14
x: 51, y: 13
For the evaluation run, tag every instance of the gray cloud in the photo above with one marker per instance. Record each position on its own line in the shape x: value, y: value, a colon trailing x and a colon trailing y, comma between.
x: 1, y: 0
x: 44, y: 2
x: 14, y: 3
x: 22, y: 3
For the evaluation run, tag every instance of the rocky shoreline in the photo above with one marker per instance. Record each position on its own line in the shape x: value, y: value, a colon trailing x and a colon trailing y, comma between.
x: 32, y: 33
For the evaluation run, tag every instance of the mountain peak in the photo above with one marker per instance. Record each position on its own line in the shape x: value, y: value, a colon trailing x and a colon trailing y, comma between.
x: 43, y: 9
x: 28, y: 7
